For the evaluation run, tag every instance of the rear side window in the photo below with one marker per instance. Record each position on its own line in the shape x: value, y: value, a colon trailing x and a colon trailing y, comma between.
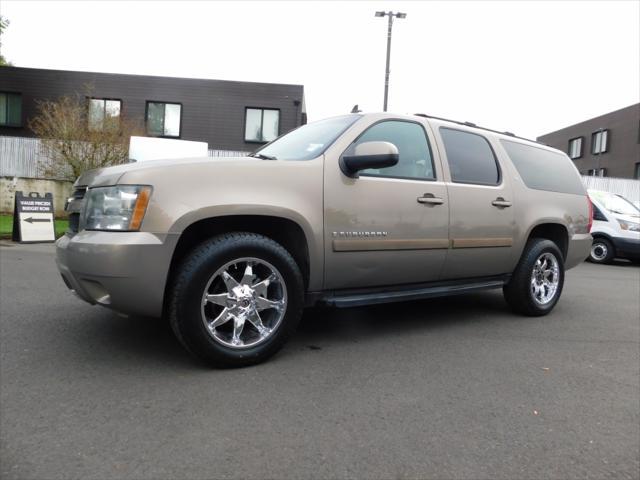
x: 470, y: 157
x: 542, y: 169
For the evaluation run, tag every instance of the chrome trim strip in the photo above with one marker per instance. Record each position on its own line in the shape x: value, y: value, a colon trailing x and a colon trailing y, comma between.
x: 481, y: 242
x: 372, y: 244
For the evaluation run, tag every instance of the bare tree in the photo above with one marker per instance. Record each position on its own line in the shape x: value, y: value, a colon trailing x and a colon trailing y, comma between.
x: 4, y: 23
x: 76, y: 139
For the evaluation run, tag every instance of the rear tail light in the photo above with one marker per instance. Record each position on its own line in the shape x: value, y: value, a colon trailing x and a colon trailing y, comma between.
x: 590, y: 214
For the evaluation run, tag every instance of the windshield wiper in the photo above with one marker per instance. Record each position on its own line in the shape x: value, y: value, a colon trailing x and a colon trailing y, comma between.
x: 262, y: 156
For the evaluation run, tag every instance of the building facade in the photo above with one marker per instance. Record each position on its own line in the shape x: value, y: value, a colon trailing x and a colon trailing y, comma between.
x: 228, y: 115
x: 606, y: 146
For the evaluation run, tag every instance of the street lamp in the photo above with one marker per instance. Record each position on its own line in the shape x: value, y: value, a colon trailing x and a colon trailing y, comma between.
x: 389, y: 14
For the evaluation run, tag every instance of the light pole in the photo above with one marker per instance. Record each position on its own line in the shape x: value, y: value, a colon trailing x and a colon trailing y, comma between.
x: 389, y: 14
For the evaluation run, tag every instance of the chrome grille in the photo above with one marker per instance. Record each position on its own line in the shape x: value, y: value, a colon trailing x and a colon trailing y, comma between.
x: 73, y: 208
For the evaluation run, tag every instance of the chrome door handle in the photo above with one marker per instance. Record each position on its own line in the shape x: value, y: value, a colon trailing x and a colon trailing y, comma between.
x: 430, y: 199
x: 501, y: 203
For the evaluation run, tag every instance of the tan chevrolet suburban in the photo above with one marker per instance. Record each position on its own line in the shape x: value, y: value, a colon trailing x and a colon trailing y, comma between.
x: 352, y: 210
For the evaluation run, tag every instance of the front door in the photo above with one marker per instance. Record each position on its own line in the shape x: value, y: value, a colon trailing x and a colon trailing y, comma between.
x: 480, y: 202
x: 389, y: 226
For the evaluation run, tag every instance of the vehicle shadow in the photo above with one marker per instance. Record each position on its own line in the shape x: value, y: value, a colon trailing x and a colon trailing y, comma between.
x: 405, y: 318
x: 616, y: 262
x: 144, y: 341
x: 622, y: 262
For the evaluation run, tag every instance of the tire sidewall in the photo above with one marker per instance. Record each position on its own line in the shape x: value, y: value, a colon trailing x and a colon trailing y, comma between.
x: 206, y: 260
x: 609, y: 247
x: 518, y: 293
x: 538, y: 249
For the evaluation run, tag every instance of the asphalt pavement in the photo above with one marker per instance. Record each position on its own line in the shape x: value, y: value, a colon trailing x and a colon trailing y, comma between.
x: 455, y: 388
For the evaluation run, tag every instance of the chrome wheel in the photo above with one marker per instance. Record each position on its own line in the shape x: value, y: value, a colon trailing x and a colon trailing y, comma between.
x: 599, y: 251
x: 545, y: 278
x: 244, y: 302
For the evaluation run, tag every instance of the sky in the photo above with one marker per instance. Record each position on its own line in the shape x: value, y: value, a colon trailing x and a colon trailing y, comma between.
x: 526, y: 67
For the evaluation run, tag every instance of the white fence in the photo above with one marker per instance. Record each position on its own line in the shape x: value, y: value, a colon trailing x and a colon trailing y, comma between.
x: 630, y: 189
x: 227, y: 153
x: 22, y: 157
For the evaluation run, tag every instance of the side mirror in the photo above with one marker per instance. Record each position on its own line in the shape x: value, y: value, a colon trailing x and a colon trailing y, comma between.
x: 369, y: 155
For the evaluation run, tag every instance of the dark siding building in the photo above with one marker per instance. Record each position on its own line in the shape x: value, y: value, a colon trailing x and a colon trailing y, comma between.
x: 228, y: 115
x: 608, y: 145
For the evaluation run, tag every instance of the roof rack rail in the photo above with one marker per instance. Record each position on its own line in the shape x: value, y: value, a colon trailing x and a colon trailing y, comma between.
x: 471, y: 124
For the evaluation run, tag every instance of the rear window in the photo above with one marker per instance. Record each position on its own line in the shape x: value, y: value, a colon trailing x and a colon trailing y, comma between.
x: 470, y: 157
x: 542, y: 169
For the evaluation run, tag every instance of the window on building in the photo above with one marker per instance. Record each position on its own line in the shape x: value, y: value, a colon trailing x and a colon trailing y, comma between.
x: 597, y: 172
x: 261, y: 125
x: 104, y: 113
x: 10, y: 109
x: 470, y: 157
x: 575, y: 147
x: 412, y: 144
x: 163, y: 119
x: 636, y: 171
x: 599, y: 141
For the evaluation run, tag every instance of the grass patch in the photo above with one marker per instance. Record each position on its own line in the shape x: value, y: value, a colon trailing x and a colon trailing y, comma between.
x: 6, y: 226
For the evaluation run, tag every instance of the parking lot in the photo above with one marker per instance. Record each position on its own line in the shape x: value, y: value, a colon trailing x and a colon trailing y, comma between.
x: 446, y: 388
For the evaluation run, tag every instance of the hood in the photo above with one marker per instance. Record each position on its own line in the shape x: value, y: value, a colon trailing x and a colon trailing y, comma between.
x: 626, y: 218
x: 102, y: 177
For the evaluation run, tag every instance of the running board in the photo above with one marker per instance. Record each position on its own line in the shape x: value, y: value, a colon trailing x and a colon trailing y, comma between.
x: 344, y: 300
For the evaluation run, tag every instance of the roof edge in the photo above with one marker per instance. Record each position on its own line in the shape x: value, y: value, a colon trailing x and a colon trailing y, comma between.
x: 13, y: 67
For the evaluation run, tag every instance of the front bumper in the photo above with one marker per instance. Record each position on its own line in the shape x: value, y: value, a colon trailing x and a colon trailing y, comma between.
x: 627, y: 247
x: 125, y: 271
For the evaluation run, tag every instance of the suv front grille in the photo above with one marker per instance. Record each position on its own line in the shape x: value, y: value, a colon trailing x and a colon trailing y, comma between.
x: 73, y: 207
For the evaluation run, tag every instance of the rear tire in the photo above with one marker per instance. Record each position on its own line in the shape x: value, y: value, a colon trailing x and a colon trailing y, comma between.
x: 236, y: 299
x: 536, y: 283
x: 602, y: 251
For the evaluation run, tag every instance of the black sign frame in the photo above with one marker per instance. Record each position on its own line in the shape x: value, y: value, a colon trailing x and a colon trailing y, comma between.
x: 32, y: 202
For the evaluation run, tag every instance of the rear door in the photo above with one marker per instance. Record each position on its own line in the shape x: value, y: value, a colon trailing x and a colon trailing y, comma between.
x: 480, y: 206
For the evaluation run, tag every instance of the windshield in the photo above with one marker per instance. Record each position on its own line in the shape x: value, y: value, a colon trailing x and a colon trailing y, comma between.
x: 615, y: 203
x: 308, y: 141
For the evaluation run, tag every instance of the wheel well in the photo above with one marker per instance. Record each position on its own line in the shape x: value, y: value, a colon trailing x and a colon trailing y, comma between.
x: 555, y: 232
x: 284, y: 231
x: 601, y: 235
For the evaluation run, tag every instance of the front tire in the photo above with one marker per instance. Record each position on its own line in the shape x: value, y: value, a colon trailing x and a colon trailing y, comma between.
x: 602, y: 251
x: 536, y: 283
x: 236, y: 299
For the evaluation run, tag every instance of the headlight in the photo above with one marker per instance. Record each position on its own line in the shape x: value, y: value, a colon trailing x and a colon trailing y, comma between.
x: 116, y: 208
x: 631, y: 226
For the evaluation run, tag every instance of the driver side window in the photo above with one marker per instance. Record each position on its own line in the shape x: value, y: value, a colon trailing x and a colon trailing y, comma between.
x: 411, y: 141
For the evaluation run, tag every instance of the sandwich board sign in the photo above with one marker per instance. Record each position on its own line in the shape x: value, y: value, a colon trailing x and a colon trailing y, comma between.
x: 33, y: 218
